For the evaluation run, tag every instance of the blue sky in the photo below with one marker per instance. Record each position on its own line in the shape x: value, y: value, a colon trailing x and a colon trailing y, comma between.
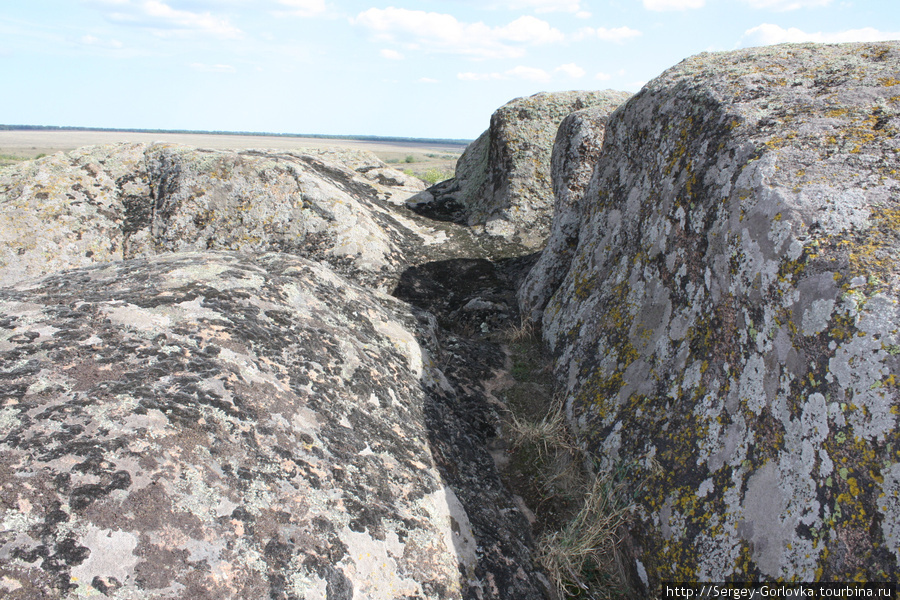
x: 394, y: 68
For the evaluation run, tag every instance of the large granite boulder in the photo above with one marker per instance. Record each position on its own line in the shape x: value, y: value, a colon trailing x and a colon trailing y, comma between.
x: 576, y: 150
x: 502, y: 181
x: 218, y: 426
x: 728, y: 327
x: 123, y: 201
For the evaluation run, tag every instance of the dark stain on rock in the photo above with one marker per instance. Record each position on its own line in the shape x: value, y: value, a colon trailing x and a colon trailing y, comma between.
x: 106, y: 585
x: 338, y: 587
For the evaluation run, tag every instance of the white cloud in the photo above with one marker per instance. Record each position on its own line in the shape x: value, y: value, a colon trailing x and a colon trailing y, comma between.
x: 602, y: 76
x: 212, y: 68
x: 782, y: 5
x: 673, y: 4
x: 529, y: 30
x: 428, y: 80
x: 520, y: 72
x: 304, y: 8
x: 436, y: 32
x: 391, y: 54
x: 572, y: 70
x: 582, y: 14
x: 529, y: 73
x: 161, y: 17
x: 545, y: 6
x: 90, y: 40
x: 767, y: 33
x: 616, y: 34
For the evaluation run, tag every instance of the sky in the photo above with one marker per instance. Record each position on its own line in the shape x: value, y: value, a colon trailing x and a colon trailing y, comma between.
x: 417, y: 68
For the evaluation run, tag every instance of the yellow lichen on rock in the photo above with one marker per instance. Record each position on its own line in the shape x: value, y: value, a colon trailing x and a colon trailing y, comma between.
x: 730, y: 310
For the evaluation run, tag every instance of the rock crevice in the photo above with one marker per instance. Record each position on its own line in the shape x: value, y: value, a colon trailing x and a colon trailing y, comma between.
x: 206, y: 390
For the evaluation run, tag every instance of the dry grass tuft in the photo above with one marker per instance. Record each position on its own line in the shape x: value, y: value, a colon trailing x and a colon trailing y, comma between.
x: 582, y: 559
x: 519, y: 333
x: 581, y: 517
x: 548, y: 435
x: 580, y: 551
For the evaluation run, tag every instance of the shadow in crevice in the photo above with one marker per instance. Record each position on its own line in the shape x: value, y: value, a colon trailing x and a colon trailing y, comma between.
x: 472, y: 299
x: 469, y: 296
x: 440, y: 208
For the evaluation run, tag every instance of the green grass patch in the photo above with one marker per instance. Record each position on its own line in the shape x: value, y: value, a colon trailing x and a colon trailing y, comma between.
x: 12, y: 159
x: 435, y: 175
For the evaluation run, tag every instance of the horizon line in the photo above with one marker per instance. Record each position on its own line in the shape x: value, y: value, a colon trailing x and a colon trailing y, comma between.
x: 374, y: 138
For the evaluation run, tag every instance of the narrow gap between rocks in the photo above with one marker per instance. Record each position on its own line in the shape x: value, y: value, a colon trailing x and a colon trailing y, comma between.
x: 514, y: 405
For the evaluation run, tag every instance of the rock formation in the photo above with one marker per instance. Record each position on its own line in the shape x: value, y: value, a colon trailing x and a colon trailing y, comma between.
x: 211, y: 425
x: 727, y: 327
x: 206, y: 391
x: 576, y: 151
x: 191, y: 423
x: 124, y: 201
x: 502, y: 180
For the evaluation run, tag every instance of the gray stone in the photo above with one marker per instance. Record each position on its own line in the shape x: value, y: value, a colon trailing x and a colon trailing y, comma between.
x: 105, y: 203
x: 576, y: 150
x: 219, y: 426
x: 727, y: 326
x: 371, y: 167
x: 502, y: 181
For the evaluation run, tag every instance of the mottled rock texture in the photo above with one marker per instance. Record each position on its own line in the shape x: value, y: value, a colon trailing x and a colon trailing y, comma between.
x: 211, y: 425
x: 502, y: 180
x: 728, y: 324
x: 576, y: 151
x: 114, y: 202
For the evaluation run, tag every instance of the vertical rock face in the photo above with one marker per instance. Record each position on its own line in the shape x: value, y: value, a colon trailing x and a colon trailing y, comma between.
x: 576, y: 151
x: 728, y: 323
x: 502, y: 181
x: 214, y: 426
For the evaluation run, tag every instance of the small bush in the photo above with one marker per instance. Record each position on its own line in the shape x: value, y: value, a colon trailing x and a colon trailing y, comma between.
x: 409, y: 158
x: 433, y: 176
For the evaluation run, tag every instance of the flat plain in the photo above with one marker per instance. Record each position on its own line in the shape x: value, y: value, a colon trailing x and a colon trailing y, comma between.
x: 415, y: 156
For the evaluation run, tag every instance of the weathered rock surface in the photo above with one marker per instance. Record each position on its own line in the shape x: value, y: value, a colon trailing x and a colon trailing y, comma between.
x: 728, y: 323
x: 502, y: 180
x: 576, y: 151
x: 106, y: 203
x: 372, y: 168
x: 215, y: 426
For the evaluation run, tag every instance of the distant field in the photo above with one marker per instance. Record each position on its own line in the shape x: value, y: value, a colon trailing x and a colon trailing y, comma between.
x: 421, y: 158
